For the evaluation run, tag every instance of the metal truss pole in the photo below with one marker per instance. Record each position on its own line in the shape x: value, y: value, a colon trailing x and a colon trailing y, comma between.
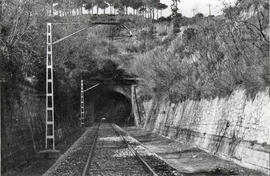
x: 50, y: 138
x: 82, y: 105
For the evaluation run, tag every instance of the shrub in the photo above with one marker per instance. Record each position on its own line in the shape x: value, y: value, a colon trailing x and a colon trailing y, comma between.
x: 212, y: 58
x: 164, y: 33
x: 132, y: 48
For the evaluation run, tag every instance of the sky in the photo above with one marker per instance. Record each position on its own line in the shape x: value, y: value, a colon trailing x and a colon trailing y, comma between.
x: 186, y: 6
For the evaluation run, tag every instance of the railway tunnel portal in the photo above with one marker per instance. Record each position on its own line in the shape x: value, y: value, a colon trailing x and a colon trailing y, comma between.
x: 112, y: 100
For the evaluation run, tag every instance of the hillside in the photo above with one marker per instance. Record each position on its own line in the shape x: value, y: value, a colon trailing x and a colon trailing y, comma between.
x: 201, y: 83
x: 206, y: 56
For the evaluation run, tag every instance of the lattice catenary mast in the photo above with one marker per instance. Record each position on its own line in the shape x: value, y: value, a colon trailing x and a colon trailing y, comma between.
x: 50, y: 139
x: 82, y: 104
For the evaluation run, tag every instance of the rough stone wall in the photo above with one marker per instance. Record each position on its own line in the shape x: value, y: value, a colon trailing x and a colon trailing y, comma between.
x: 23, y: 126
x: 236, y: 127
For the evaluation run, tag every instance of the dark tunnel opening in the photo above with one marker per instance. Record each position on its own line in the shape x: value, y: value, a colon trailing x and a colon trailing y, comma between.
x: 115, y: 108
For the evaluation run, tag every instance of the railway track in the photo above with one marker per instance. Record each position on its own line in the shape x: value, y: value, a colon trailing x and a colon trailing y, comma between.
x: 136, y: 154
x: 90, y: 154
x: 103, y: 160
x: 153, y: 164
x: 112, y: 153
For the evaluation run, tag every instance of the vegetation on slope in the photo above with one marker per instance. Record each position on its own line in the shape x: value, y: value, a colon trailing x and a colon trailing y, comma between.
x: 198, y: 57
x: 211, y: 56
x: 23, y: 53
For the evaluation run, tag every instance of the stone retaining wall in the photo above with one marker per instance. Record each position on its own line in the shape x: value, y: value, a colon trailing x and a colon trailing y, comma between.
x: 236, y: 127
x: 23, y: 126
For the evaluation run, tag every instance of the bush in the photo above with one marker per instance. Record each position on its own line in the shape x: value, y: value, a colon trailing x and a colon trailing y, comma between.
x: 212, y: 58
x: 133, y: 48
x: 163, y: 33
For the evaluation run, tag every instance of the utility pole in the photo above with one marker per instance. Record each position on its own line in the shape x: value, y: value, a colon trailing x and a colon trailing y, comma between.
x: 50, y: 139
x: 82, y: 101
x: 82, y: 105
x: 209, y: 6
x: 50, y: 136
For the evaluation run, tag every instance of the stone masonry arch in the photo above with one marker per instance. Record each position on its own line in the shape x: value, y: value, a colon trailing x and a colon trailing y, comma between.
x: 94, y: 96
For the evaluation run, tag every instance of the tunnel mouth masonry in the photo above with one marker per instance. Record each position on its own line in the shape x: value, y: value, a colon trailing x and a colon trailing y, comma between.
x: 115, y: 108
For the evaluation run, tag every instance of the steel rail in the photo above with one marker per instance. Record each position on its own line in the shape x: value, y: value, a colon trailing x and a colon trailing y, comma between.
x: 91, y: 152
x: 131, y: 148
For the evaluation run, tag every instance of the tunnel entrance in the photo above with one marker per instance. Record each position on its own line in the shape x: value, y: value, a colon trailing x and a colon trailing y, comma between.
x: 115, y: 108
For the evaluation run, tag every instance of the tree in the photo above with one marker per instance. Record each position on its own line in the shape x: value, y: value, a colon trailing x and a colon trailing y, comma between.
x: 89, y: 5
x: 103, y: 5
x: 199, y: 15
x: 161, y: 7
x: 111, y: 4
x: 21, y: 36
x: 98, y: 3
x: 137, y: 4
x: 78, y: 4
x: 126, y: 4
x: 174, y: 7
